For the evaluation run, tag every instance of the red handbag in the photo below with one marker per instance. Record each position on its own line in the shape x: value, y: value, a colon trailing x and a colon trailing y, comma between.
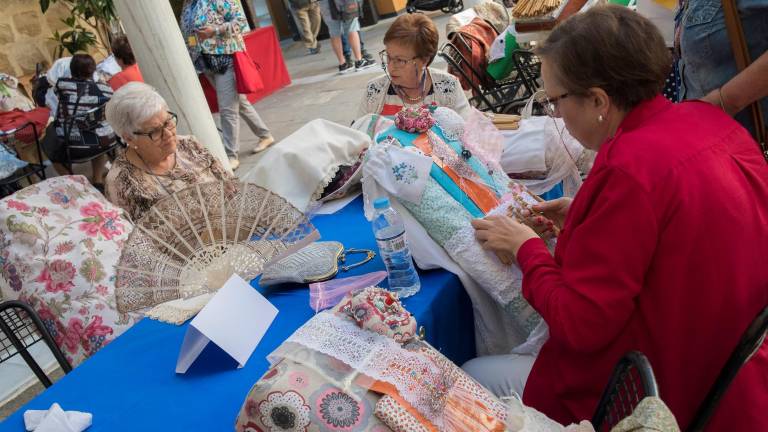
x: 247, y: 75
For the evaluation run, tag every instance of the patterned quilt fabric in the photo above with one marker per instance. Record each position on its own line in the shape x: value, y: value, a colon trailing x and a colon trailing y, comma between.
x: 59, y: 243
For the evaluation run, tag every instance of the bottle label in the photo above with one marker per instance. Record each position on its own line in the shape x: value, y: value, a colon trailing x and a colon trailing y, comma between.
x: 392, y: 244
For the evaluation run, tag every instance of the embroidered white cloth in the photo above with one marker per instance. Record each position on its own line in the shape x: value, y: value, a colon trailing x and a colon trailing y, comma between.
x: 401, y: 172
x: 55, y: 419
x: 299, y: 167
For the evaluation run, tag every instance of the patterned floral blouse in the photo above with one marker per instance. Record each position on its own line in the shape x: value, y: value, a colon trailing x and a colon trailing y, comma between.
x: 225, y: 15
x: 136, y: 190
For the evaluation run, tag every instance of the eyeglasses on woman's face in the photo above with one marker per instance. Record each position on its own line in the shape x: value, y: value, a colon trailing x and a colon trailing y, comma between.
x: 550, y: 104
x: 395, y: 62
x: 158, y: 133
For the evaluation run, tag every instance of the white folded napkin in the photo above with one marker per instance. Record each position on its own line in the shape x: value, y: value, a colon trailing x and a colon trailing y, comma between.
x: 55, y: 419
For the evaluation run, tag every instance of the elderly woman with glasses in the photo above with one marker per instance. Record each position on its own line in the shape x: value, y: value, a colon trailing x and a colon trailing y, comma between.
x: 156, y: 162
x: 410, y: 46
x: 661, y: 251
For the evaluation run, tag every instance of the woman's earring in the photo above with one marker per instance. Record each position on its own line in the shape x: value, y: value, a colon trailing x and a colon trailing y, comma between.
x: 600, y: 118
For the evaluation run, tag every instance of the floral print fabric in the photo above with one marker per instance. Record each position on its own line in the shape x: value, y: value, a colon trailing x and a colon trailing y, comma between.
x: 226, y: 15
x: 296, y: 397
x: 59, y: 243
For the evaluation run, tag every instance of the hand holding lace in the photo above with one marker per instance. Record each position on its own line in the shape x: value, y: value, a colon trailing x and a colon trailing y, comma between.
x: 502, y: 235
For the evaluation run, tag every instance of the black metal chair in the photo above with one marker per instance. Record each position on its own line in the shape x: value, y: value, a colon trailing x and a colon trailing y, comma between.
x: 528, y: 65
x: 499, y: 97
x: 20, y: 328
x: 87, y: 123
x: 9, y: 140
x: 631, y: 381
x: 750, y: 342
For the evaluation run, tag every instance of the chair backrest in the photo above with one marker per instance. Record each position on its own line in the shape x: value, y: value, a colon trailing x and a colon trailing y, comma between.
x: 750, y: 342
x: 20, y: 328
x: 528, y: 66
x: 459, y: 66
x: 26, y: 133
x: 631, y: 381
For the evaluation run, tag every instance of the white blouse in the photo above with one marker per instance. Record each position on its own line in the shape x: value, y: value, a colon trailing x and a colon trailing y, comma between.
x: 445, y: 92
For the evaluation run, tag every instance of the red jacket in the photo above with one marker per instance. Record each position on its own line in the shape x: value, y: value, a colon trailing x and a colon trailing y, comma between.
x: 129, y: 74
x: 665, y: 251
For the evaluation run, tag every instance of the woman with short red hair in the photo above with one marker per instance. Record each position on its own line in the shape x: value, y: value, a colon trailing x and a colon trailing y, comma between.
x: 410, y: 46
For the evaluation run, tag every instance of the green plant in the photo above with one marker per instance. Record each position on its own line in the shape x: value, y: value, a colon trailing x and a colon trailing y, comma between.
x: 88, y: 19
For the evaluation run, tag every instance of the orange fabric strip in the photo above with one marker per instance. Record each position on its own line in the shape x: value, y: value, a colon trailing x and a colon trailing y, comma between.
x: 390, y: 110
x: 480, y: 194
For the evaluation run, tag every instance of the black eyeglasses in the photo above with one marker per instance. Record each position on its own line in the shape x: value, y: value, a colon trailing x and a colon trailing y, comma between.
x: 397, y: 62
x: 159, y: 132
x: 550, y: 103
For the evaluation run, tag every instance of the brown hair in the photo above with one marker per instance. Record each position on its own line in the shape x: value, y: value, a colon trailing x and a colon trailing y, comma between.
x: 416, y: 31
x: 82, y: 66
x: 121, y: 48
x: 610, y: 47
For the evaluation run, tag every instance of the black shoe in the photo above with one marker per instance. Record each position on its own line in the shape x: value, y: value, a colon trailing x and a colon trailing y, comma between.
x: 344, y: 68
x: 313, y: 51
x: 367, y: 56
x: 364, y: 64
x: 348, y: 60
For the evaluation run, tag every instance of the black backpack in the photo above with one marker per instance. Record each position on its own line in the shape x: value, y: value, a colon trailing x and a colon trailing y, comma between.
x: 40, y: 86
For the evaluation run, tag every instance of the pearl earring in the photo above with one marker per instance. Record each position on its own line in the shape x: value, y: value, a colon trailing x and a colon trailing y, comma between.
x: 600, y: 118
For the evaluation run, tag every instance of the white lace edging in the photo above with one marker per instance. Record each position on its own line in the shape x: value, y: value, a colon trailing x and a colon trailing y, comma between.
x: 179, y: 311
x: 377, y: 357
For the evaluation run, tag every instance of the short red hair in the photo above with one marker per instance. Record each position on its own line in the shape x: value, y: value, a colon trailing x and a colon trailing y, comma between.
x: 416, y: 31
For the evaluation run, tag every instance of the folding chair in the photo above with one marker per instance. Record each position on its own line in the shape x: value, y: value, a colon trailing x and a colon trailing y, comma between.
x: 631, y: 381
x: 490, y: 95
x: 750, y: 342
x: 20, y: 328
x: 87, y: 123
x: 9, y: 140
x: 528, y: 66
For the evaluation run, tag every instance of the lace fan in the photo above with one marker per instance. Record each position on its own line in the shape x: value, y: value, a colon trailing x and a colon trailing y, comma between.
x: 192, y: 241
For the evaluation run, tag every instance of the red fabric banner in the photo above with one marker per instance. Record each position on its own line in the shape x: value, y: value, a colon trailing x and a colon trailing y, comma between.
x: 264, y: 48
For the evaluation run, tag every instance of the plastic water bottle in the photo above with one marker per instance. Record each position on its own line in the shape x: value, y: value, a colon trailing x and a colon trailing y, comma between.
x: 389, y: 231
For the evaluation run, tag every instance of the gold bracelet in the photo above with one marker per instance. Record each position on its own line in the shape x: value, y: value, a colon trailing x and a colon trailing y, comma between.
x: 720, y: 98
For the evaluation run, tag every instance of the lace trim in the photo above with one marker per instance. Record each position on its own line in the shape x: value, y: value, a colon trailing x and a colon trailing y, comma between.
x: 179, y: 311
x: 424, y: 384
x: 449, y: 122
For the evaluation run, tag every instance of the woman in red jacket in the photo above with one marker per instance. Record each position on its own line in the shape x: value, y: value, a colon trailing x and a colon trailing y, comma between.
x: 663, y: 250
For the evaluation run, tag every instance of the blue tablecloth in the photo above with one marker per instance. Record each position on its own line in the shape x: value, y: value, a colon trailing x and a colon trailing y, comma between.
x: 130, y: 385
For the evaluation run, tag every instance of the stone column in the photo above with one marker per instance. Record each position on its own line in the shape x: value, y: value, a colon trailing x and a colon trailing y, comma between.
x: 160, y: 50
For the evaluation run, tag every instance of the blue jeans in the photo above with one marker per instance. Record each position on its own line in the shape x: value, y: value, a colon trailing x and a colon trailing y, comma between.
x: 707, y: 61
x: 345, y: 45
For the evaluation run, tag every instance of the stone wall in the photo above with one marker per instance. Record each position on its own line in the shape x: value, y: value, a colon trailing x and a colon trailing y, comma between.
x: 25, y: 35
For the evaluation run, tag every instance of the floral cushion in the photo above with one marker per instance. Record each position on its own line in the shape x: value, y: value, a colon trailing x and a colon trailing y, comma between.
x: 59, y: 243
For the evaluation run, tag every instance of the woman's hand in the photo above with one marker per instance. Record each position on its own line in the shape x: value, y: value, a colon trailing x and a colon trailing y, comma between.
x: 502, y: 235
x: 206, y: 32
x: 555, y: 210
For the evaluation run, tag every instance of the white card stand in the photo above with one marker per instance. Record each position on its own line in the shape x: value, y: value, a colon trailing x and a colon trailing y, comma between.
x: 235, y: 319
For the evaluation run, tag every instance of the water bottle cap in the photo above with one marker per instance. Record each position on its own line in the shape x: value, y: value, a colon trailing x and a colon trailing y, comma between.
x: 381, y: 203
